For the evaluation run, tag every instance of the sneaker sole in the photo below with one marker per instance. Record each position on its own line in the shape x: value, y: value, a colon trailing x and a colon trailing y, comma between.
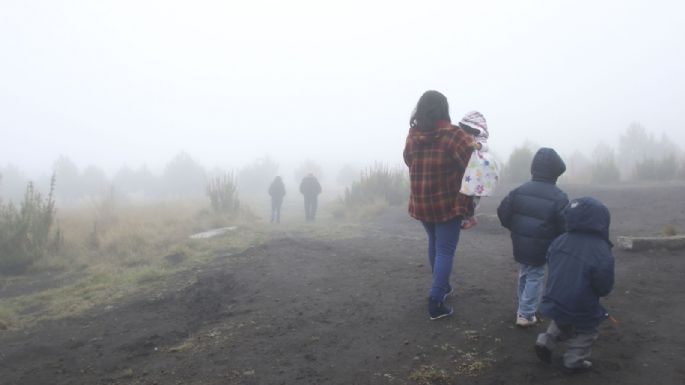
x: 442, y: 316
x: 578, y: 370
x: 524, y: 326
x: 527, y: 323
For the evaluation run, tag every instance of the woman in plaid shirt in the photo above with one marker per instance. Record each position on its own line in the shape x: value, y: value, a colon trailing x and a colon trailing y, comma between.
x: 437, y: 153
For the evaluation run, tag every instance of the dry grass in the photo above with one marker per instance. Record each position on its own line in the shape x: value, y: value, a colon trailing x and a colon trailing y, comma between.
x: 429, y: 375
x: 668, y: 230
x: 7, y: 319
x: 471, y: 364
x: 110, y: 252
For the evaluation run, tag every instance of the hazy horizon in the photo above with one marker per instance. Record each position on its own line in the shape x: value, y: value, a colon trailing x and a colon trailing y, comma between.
x: 133, y: 83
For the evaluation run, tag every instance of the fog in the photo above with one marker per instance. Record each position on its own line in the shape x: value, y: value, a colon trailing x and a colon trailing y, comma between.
x: 114, y: 83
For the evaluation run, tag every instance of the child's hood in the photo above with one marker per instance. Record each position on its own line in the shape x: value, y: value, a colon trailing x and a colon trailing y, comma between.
x: 547, y: 165
x: 587, y: 214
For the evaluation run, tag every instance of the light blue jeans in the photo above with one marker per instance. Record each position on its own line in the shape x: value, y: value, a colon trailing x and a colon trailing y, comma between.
x: 531, y: 280
x: 442, y: 244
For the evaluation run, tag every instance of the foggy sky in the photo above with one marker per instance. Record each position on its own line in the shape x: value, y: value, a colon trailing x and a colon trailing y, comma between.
x: 135, y: 82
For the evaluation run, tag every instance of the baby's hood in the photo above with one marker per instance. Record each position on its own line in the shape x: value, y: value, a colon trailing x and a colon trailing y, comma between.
x: 475, y: 122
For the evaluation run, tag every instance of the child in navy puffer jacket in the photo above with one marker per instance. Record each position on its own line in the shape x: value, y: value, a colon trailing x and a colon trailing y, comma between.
x: 581, y: 270
x: 533, y: 212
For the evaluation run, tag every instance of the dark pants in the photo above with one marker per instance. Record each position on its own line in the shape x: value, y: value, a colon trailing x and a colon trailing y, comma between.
x: 578, y: 342
x: 276, y: 210
x: 310, y: 204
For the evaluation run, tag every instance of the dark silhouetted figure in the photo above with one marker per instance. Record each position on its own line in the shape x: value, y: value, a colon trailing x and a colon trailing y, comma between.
x: 311, y: 189
x: 277, y: 192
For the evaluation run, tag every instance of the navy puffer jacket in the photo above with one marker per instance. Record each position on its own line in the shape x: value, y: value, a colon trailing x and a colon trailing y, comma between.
x: 581, y: 267
x: 533, y: 212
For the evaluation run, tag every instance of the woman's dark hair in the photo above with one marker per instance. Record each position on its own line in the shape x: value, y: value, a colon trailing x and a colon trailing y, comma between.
x: 431, y: 108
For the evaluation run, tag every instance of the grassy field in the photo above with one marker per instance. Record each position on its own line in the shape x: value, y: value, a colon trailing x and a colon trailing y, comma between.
x: 109, y: 253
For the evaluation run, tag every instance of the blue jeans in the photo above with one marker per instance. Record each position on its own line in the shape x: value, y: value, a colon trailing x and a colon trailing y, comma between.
x: 442, y: 244
x: 531, y: 280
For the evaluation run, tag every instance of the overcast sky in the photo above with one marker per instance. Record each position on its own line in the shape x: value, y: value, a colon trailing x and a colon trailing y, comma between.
x: 135, y: 82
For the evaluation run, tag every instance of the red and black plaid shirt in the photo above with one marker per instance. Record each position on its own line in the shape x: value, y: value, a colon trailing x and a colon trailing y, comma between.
x: 437, y: 160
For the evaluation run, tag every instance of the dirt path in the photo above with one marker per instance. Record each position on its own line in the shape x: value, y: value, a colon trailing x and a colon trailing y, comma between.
x: 300, y: 310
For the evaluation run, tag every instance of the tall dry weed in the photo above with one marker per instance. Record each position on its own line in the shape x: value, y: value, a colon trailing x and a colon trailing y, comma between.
x: 25, y: 230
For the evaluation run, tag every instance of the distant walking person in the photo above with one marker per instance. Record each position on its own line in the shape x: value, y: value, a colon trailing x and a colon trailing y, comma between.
x: 437, y: 153
x: 277, y: 192
x: 311, y: 189
x: 581, y: 270
x: 533, y: 213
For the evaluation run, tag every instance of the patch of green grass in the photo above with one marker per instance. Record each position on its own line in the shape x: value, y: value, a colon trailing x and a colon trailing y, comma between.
x: 472, y: 364
x: 429, y: 375
x: 146, y: 274
x: 668, y: 230
x: 8, y: 319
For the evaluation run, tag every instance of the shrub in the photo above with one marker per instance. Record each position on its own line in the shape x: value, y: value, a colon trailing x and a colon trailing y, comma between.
x: 25, y: 231
x: 605, y: 172
x: 254, y: 178
x: 222, y: 193
x: 378, y: 182
x: 652, y: 169
x: 668, y: 230
x: 517, y: 169
x: 183, y: 177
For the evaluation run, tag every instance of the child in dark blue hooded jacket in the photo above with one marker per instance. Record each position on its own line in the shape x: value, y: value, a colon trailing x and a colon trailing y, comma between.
x: 581, y: 270
x: 533, y: 212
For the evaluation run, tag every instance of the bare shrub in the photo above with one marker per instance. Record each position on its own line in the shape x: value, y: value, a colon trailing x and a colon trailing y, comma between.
x: 222, y: 191
x: 25, y: 231
x: 378, y: 183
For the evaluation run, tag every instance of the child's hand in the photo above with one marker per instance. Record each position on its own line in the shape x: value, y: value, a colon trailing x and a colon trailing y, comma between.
x: 471, y: 142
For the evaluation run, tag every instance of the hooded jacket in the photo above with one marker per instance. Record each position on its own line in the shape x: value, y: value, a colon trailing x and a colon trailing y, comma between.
x: 277, y: 190
x: 533, y: 212
x: 581, y: 267
x: 437, y: 159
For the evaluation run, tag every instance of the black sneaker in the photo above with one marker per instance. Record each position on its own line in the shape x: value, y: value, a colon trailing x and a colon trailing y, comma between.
x: 438, y: 309
x: 543, y: 353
